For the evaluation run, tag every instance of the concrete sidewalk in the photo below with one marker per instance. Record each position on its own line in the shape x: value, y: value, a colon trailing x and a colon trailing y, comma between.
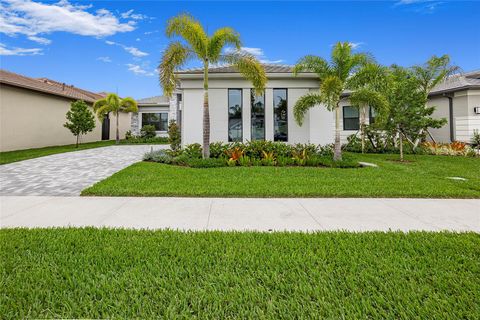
x: 241, y: 214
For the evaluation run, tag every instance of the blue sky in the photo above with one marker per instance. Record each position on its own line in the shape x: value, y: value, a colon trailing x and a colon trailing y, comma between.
x: 115, y: 46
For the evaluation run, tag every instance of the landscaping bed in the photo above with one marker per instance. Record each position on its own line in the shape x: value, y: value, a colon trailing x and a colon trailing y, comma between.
x: 423, y: 176
x: 101, y: 273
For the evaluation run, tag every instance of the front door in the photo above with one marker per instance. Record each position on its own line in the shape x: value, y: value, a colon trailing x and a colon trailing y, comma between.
x: 106, y: 128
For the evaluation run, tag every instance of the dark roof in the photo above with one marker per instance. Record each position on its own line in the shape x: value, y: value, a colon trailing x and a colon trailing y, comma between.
x: 47, y: 86
x: 269, y: 68
x: 154, y: 100
x: 458, y: 82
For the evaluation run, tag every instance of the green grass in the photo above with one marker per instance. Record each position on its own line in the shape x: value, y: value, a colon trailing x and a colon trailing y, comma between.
x: 88, y: 273
x: 425, y: 176
x: 19, y: 155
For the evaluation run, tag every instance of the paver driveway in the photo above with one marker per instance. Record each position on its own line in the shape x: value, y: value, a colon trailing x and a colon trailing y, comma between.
x: 67, y: 174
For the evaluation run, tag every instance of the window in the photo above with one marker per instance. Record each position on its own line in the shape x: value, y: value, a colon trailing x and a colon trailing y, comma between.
x: 234, y: 115
x: 371, y: 115
x: 158, y: 120
x: 280, y: 115
x: 350, y: 118
x: 258, y: 115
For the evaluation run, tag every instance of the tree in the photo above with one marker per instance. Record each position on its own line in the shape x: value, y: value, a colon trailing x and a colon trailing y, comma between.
x: 370, y: 86
x: 80, y: 120
x: 113, y: 103
x: 209, y: 50
x: 408, y: 112
x: 335, y: 77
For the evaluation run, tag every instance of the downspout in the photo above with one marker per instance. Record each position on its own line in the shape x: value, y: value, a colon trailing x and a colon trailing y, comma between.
x: 450, y: 116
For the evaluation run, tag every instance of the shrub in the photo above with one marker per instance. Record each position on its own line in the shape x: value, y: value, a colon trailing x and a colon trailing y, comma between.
x: 256, y: 162
x: 283, y: 161
x: 456, y: 148
x: 206, y: 163
x: 181, y: 160
x: 140, y: 140
x: 158, y: 156
x: 245, y: 161
x: 231, y: 163
x: 174, y: 137
x: 193, y: 151
x: 218, y: 149
x: 148, y: 131
x: 346, y: 162
x: 128, y: 135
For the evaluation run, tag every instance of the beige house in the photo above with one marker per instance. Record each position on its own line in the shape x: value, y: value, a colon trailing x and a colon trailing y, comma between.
x: 32, y: 113
x: 237, y: 114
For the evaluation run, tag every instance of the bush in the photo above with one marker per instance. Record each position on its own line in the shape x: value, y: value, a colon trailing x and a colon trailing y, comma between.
x: 346, y: 162
x: 193, y: 151
x: 128, y: 135
x: 148, y: 131
x: 206, y: 163
x: 456, y: 148
x: 158, y: 156
x: 218, y: 149
x: 174, y: 138
x: 140, y: 140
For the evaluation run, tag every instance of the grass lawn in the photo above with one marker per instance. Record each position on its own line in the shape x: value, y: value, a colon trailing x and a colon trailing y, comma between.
x: 19, y: 155
x: 92, y: 273
x: 424, y: 176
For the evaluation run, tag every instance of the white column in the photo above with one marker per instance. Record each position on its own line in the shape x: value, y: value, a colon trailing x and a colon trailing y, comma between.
x: 246, y: 115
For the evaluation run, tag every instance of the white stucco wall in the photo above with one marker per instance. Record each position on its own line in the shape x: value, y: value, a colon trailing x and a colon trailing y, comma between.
x: 30, y: 119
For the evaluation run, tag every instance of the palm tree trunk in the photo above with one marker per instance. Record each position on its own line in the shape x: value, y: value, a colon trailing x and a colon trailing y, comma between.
x: 362, y: 127
x: 337, y: 153
x: 206, y: 114
x: 117, y: 139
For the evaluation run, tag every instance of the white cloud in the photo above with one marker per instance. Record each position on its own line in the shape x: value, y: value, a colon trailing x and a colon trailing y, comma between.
x: 356, y: 45
x: 138, y: 39
x: 29, y: 18
x: 4, y: 51
x: 135, y: 16
x: 104, y: 59
x: 138, y: 70
x: 420, y: 6
x: 257, y: 52
x: 132, y: 50
x: 40, y: 40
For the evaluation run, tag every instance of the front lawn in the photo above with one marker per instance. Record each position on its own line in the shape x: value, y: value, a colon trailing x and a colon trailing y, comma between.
x: 19, y: 155
x: 424, y: 176
x: 92, y: 273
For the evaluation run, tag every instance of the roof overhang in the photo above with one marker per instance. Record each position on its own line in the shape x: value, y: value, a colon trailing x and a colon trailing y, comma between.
x: 236, y: 75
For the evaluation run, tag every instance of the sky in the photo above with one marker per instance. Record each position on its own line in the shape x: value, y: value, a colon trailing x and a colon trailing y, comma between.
x: 115, y: 46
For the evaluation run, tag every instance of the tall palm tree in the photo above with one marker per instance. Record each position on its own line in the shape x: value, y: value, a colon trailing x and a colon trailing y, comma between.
x: 113, y: 103
x: 209, y: 50
x: 334, y: 77
x: 369, y: 90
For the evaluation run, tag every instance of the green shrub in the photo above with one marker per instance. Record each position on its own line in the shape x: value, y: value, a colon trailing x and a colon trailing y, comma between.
x: 268, y: 162
x: 128, y: 135
x: 181, y: 160
x: 140, y: 140
x: 231, y: 162
x: 245, y: 161
x: 346, y: 162
x: 315, y: 161
x: 283, y: 161
x: 206, y: 163
x: 256, y: 162
x: 193, y: 151
x: 174, y: 138
x: 159, y: 156
x: 218, y: 149
x: 148, y: 131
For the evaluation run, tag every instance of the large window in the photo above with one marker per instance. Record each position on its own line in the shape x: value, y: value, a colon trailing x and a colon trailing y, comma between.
x: 234, y: 114
x: 158, y: 120
x: 350, y: 118
x: 280, y: 115
x: 258, y: 116
x: 371, y: 114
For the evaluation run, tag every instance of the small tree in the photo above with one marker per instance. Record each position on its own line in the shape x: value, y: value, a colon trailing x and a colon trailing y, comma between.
x: 80, y: 120
x: 174, y: 137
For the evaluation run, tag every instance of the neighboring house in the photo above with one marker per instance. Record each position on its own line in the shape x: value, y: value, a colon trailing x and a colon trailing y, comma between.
x: 32, y: 113
x: 237, y: 114
x: 154, y: 111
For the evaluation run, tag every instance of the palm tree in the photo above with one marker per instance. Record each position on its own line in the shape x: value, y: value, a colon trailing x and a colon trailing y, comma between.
x: 113, y: 103
x: 334, y: 77
x: 369, y: 84
x: 209, y: 50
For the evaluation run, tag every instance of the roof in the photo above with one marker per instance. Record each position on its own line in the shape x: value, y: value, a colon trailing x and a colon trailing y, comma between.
x: 154, y: 100
x: 47, y: 86
x: 269, y: 68
x: 458, y: 82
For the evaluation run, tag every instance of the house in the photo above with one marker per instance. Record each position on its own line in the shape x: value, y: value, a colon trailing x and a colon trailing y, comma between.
x: 237, y: 114
x: 32, y: 113
x: 153, y: 111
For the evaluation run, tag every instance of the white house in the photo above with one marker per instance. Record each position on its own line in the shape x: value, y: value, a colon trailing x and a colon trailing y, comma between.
x: 237, y: 114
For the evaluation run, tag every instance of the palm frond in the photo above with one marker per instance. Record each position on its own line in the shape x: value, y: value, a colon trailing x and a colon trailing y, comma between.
x: 314, y: 64
x: 191, y: 31
x: 249, y: 67
x: 303, y: 104
x: 370, y: 75
x: 99, y: 103
x: 368, y: 97
x: 175, y: 56
x: 433, y: 72
x: 330, y: 91
x: 129, y: 105
x: 221, y: 38
x: 102, y: 111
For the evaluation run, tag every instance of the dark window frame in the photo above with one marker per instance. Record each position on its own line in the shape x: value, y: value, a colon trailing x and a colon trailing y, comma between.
x: 253, y: 94
x: 228, y: 113
x: 160, y: 120
x: 273, y: 103
x: 357, y: 127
